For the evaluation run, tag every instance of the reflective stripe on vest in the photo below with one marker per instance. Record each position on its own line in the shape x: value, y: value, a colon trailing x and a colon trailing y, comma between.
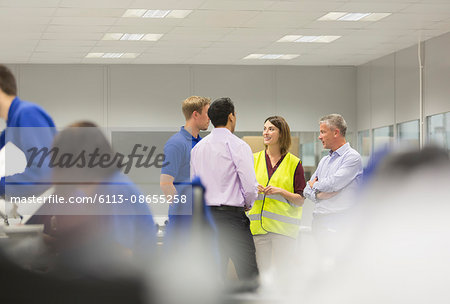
x: 273, y: 213
x: 277, y: 197
x: 274, y: 216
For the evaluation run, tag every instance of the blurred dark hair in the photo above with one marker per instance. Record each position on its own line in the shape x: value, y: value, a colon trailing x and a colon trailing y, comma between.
x: 405, y: 163
x: 82, y: 138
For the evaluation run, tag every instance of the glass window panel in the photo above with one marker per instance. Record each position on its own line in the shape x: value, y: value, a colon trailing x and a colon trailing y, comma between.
x: 439, y: 130
x: 408, y: 133
x: 383, y: 137
x: 308, y: 154
x: 364, y: 145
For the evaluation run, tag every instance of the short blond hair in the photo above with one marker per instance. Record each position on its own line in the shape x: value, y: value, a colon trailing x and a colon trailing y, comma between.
x: 194, y: 103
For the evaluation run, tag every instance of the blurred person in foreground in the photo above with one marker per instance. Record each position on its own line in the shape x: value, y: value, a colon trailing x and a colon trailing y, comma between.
x: 99, y: 252
x: 110, y: 234
x: 275, y: 215
x: 333, y: 185
x: 224, y: 163
x: 398, y: 252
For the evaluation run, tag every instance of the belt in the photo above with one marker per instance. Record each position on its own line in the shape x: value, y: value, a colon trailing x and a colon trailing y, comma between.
x: 228, y: 208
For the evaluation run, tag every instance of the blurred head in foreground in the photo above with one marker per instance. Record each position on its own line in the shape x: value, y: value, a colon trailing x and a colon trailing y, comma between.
x: 399, y: 251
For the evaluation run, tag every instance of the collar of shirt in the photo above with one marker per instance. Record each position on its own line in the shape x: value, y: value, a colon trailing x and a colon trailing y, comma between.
x: 13, y: 107
x: 189, y: 136
x: 341, y: 150
x: 221, y: 131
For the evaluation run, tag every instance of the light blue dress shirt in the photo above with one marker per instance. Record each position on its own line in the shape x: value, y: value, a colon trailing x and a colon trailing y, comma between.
x: 340, y: 171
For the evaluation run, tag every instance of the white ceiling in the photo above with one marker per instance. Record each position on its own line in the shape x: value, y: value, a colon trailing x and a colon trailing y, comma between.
x: 216, y: 32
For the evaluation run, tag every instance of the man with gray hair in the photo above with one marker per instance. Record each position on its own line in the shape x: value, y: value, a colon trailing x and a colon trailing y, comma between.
x: 333, y: 184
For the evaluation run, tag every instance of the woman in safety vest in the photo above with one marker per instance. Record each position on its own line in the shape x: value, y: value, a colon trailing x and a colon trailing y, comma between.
x: 275, y: 216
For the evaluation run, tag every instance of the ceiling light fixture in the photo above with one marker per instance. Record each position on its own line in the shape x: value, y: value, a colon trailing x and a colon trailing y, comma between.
x: 315, y: 39
x: 112, y: 55
x: 145, y: 13
x: 132, y: 37
x: 271, y: 56
x: 346, y: 16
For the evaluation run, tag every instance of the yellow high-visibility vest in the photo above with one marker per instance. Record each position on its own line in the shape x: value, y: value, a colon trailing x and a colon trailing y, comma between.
x: 273, y: 213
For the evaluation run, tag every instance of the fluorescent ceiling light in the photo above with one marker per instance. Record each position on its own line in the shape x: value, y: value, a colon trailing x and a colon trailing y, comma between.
x: 112, y: 55
x: 376, y: 16
x: 271, y: 56
x: 316, y: 39
x: 156, y: 13
x: 346, y: 16
x: 152, y: 37
x: 178, y: 13
x: 144, y: 13
x: 112, y: 36
x: 94, y: 55
x: 332, y: 16
x: 132, y: 37
x: 353, y: 16
x: 134, y: 13
x: 129, y: 55
x: 307, y: 39
x: 289, y: 56
x: 253, y: 56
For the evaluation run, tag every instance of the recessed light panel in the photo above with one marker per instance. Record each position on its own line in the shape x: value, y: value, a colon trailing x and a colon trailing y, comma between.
x: 271, y: 56
x: 145, y: 13
x: 112, y: 36
x: 306, y: 39
x: 151, y: 37
x: 112, y: 55
x: 133, y: 37
x: 156, y: 13
x: 346, y: 16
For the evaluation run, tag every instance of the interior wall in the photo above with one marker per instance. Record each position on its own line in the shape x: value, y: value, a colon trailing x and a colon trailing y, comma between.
x: 388, y: 88
x: 150, y: 95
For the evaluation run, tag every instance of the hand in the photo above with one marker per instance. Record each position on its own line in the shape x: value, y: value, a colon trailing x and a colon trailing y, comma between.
x: 273, y: 190
x: 247, y: 208
x: 261, y: 189
x: 311, y: 183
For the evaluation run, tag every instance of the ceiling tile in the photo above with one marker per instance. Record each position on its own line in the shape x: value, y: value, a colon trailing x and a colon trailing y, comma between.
x: 77, y: 29
x: 95, y: 3
x: 249, y: 5
x: 281, y: 19
x: 73, y: 36
x: 167, y: 4
x: 83, y: 21
x: 89, y: 12
x: 218, y: 18
x: 306, y: 6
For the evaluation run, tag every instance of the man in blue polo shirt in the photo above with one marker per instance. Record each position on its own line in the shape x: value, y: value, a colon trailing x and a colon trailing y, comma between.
x: 175, y: 173
x: 28, y: 126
